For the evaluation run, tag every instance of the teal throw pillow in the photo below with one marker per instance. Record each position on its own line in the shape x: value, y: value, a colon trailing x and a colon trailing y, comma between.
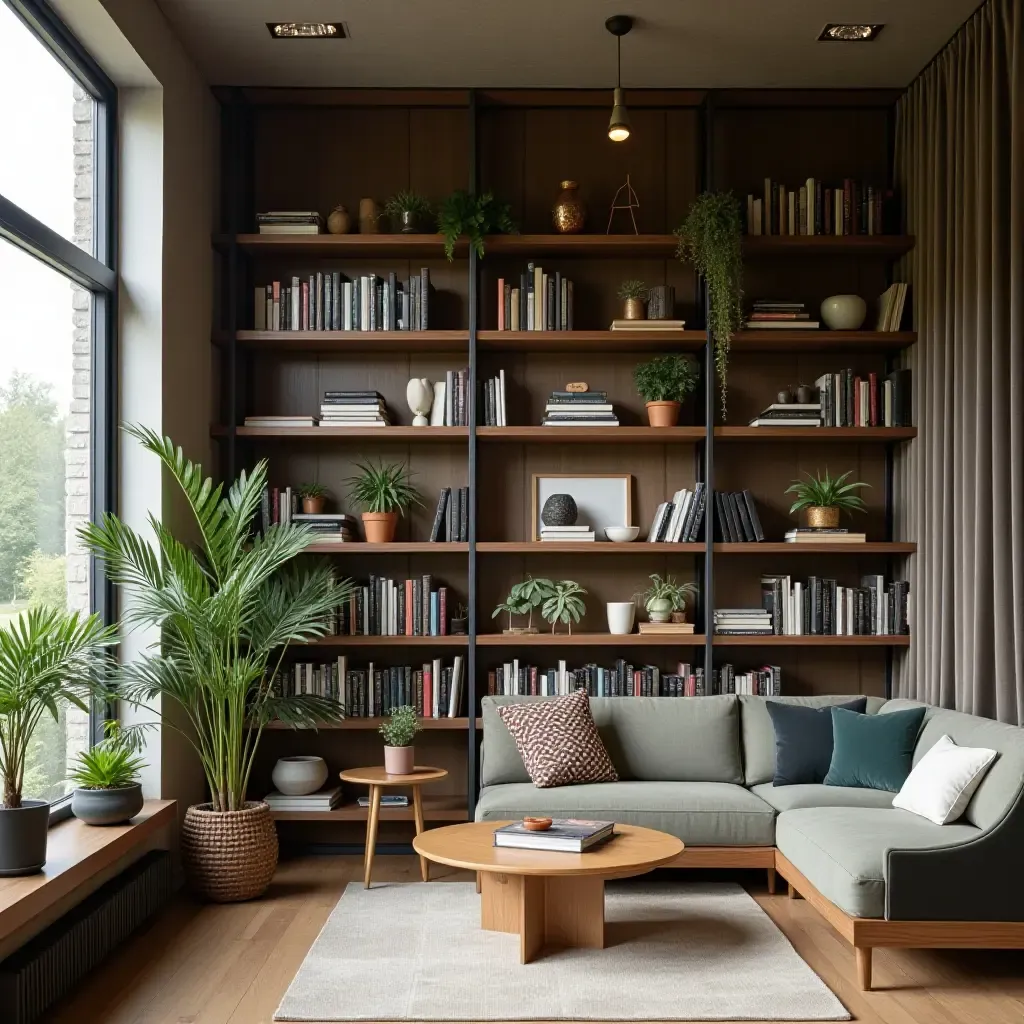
x: 873, y: 751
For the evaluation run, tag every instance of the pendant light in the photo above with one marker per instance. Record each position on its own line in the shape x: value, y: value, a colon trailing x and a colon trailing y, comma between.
x: 618, y: 126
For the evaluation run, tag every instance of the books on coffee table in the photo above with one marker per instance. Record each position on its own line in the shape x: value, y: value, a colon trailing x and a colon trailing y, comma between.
x: 566, y: 835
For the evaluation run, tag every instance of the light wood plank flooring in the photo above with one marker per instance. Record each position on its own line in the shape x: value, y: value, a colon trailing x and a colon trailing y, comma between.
x: 231, y: 964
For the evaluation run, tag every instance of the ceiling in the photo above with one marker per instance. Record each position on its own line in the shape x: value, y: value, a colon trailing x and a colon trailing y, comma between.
x: 563, y: 43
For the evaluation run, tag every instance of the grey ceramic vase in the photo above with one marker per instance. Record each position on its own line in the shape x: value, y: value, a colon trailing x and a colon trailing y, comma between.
x: 559, y: 510
x: 23, y: 838
x: 107, y: 806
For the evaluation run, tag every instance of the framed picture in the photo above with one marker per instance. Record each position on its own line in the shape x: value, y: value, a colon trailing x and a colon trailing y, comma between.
x: 602, y: 499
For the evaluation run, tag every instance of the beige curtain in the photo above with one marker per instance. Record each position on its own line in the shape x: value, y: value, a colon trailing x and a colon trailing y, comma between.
x: 960, y: 485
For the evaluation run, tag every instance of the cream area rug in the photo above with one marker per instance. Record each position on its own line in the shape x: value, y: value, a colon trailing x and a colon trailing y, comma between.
x: 674, y: 951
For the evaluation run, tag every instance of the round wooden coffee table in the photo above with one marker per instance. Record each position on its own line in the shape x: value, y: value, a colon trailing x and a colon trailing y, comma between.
x: 377, y: 779
x: 548, y: 899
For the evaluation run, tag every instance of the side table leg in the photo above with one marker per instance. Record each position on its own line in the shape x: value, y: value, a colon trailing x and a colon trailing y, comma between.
x: 417, y: 809
x: 371, y: 834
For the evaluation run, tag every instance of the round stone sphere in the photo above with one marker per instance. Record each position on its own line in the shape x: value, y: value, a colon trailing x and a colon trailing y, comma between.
x: 559, y: 510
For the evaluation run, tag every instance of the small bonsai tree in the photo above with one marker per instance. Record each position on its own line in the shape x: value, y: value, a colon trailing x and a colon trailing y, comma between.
x: 401, y: 728
x: 564, y: 605
x: 666, y: 378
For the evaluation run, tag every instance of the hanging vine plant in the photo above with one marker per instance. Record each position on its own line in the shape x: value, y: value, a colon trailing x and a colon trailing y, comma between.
x: 709, y: 238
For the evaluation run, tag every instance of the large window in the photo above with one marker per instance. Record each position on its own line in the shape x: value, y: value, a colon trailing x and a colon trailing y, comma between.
x: 57, y: 295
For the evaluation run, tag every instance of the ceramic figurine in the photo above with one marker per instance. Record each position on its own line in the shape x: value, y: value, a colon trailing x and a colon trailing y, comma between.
x: 419, y: 393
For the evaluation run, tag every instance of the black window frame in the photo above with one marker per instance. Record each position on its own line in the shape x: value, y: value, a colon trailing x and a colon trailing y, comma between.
x: 95, y: 273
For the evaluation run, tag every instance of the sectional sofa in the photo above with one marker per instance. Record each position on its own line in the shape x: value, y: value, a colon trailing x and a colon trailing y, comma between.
x: 702, y: 768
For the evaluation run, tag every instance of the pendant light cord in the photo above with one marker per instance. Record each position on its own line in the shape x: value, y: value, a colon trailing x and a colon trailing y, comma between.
x: 618, y: 75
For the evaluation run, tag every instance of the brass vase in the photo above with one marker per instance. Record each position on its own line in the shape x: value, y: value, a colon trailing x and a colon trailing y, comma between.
x: 568, y: 213
x: 822, y: 517
x: 634, y: 309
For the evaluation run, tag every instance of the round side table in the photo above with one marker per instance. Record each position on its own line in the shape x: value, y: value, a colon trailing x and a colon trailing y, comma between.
x: 378, y: 779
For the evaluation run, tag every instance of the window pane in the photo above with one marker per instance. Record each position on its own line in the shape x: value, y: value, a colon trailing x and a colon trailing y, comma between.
x: 46, y: 128
x: 45, y: 338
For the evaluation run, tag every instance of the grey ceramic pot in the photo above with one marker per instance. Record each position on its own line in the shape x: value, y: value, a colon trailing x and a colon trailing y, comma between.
x: 107, y: 806
x: 23, y: 838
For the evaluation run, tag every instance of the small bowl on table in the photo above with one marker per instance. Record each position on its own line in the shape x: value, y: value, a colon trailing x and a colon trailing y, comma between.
x: 622, y: 534
x: 536, y: 824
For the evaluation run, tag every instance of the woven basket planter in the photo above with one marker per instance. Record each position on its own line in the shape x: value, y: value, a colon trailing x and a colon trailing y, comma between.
x: 229, y: 856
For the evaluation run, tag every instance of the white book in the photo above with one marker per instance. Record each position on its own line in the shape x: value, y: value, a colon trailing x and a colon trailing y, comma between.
x: 564, y: 529
x: 563, y: 682
x: 502, y: 413
x: 438, y: 406
x: 687, y: 501
x: 455, y: 694
x: 346, y: 305
x: 659, y: 514
x: 798, y: 609
x: 677, y: 508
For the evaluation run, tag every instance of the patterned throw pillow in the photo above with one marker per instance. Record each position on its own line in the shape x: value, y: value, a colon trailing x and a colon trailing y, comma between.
x: 558, y: 741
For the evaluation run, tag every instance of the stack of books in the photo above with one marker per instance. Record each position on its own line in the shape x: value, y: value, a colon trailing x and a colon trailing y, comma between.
x: 579, y: 532
x: 280, y: 421
x: 789, y: 414
x: 738, y: 521
x: 822, y: 607
x: 541, y: 302
x: 665, y: 628
x: 768, y: 314
x: 333, y: 526
x: 495, y: 412
x: 648, y: 325
x: 848, y: 399
x: 386, y: 800
x: 450, y: 407
x: 579, y: 409
x: 890, y: 307
x: 517, y: 679
x: 820, y: 535
x: 566, y: 835
x: 679, y: 521
x: 849, y: 208
x: 323, y: 800
x: 743, y: 622
x: 354, y: 409
x: 289, y: 222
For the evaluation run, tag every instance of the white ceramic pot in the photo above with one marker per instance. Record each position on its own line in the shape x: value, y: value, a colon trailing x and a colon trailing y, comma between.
x: 419, y: 393
x: 659, y: 610
x: 299, y: 776
x: 620, y: 617
x: 844, y: 312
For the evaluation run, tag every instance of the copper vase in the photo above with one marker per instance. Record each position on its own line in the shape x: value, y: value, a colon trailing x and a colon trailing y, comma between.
x: 633, y: 309
x: 822, y: 517
x: 568, y: 212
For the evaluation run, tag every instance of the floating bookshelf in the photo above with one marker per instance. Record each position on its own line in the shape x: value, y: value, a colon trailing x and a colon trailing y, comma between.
x: 349, y: 342
x: 898, y: 640
x: 373, y: 724
x: 435, y: 808
x: 546, y: 639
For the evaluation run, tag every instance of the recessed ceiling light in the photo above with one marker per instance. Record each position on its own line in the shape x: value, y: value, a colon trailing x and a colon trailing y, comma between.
x: 849, y: 33
x: 307, y: 30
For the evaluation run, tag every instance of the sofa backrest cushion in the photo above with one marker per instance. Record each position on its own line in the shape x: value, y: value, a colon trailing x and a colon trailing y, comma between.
x: 1002, y: 784
x: 651, y: 739
x: 758, y: 733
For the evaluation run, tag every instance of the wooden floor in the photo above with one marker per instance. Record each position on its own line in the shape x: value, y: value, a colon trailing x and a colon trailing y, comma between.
x: 231, y: 964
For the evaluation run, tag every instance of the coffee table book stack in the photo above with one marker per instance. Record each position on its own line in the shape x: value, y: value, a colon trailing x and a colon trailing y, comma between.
x: 560, y: 835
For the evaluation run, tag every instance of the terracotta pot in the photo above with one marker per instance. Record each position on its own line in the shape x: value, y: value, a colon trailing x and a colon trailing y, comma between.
x: 379, y: 527
x: 229, y: 856
x: 399, y: 760
x: 663, y: 414
x: 633, y: 309
x: 822, y: 517
x: 313, y: 506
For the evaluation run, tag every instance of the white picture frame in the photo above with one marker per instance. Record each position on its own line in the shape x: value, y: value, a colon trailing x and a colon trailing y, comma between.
x: 603, y: 499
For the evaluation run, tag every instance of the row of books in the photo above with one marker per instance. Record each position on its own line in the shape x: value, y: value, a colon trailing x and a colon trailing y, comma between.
x: 451, y: 518
x: 289, y: 222
x: 767, y: 314
x: 822, y: 607
x: 386, y: 607
x: 890, y: 307
x: 737, y: 518
x: 852, y: 208
x: 742, y: 622
x: 762, y: 682
x: 322, y: 800
x: 494, y: 406
x: 328, y: 301
x: 679, y: 521
x: 579, y: 409
x: 540, y: 302
x: 281, y: 505
x: 847, y: 399
x: 515, y: 678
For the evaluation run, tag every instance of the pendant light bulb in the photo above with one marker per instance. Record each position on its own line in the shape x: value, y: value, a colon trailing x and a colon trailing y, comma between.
x: 618, y: 125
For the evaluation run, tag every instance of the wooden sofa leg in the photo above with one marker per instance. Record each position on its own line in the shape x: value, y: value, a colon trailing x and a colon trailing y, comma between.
x: 863, y: 954
x: 478, y: 883
x: 791, y: 891
x: 771, y: 881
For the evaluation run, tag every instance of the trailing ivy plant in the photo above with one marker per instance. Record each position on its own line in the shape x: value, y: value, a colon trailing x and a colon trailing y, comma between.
x: 710, y: 239
x: 473, y: 216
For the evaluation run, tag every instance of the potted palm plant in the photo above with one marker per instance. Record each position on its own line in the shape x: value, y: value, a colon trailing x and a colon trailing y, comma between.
x: 107, y: 778
x: 665, y: 597
x: 399, y: 732
x: 49, y: 659
x: 383, y: 492
x: 564, y: 605
x: 826, y: 498
x: 664, y: 383
x: 227, y: 612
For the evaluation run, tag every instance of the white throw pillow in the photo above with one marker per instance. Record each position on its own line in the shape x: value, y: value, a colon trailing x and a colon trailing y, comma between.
x: 941, y: 785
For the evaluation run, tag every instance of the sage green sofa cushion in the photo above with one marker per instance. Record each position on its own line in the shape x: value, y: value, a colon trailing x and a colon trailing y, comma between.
x: 699, y: 813
x: 842, y: 851
x: 790, y: 798
x: 758, y: 734
x: 654, y: 739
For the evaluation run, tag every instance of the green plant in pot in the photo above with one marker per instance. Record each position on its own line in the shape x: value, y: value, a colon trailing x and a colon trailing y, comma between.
x: 665, y: 597
x: 408, y: 212
x: 49, y: 660
x: 664, y: 383
x: 313, y: 497
x: 226, y: 610
x: 474, y: 217
x: 460, y: 620
x: 711, y: 239
x: 825, y: 498
x: 384, y: 492
x: 107, y: 778
x: 564, y: 605
x: 399, y: 732
x: 523, y: 599
x: 633, y: 294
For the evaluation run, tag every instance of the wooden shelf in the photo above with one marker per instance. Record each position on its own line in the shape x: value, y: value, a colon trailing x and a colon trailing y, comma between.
x: 901, y: 640
x: 426, y: 435
x: 435, y: 808
x: 372, y: 724
x: 591, y: 341
x: 388, y: 641
x: 589, y: 435
x: 344, y: 342
x: 606, y: 246
x: 816, y: 435
x: 827, y: 245
x: 589, y: 640
x: 395, y: 547
x: 342, y: 246
x: 873, y: 547
x: 781, y: 340
x: 638, y: 547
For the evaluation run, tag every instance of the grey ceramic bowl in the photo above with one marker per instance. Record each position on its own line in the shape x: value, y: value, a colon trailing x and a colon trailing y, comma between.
x: 107, y: 806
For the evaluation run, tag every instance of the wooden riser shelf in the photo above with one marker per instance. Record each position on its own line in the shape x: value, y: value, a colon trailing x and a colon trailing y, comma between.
x: 387, y: 641
x: 781, y: 548
x: 372, y: 724
x: 638, y: 547
x: 592, y: 435
x: 812, y: 641
x: 588, y: 640
x: 435, y: 808
x: 345, y: 342
x: 396, y: 547
x: 816, y: 435
x: 591, y: 341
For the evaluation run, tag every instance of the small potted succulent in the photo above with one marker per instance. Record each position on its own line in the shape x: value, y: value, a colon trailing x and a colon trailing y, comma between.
x: 564, y: 605
x: 826, y: 498
x: 408, y: 212
x: 665, y: 599
x: 107, y: 779
x: 398, y: 733
x: 664, y: 383
x: 460, y: 620
x: 523, y: 599
x: 314, y: 497
x: 383, y: 491
x: 633, y: 294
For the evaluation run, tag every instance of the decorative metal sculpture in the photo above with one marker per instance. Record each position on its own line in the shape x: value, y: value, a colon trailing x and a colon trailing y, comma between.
x: 632, y: 203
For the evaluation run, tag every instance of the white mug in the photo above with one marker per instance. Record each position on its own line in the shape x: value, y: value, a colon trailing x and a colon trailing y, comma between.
x: 620, y: 616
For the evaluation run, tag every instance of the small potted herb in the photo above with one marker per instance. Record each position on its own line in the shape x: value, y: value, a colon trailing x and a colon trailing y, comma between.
x: 664, y: 383
x: 314, y: 497
x: 408, y: 212
x: 107, y: 778
x: 398, y: 733
x: 564, y: 605
x: 665, y: 597
x: 634, y: 295
x: 383, y: 491
x: 460, y: 620
x: 825, y: 498
x: 475, y: 217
